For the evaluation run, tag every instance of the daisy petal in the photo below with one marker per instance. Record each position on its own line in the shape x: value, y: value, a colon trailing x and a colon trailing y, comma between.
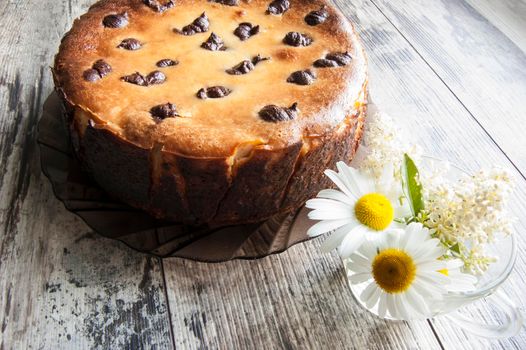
x: 414, y: 241
x: 391, y: 306
x: 352, y: 242
x: 428, y: 250
x: 325, y: 226
x: 404, y: 241
x: 336, y: 237
x: 432, y: 265
x: 331, y: 174
x: 364, y: 183
x: 392, y: 238
x: 464, y: 277
x: 426, y: 289
x: 369, y: 247
x: 373, y: 299
x: 432, y: 254
x: 460, y: 285
x: 357, y: 268
x: 401, y: 304
x: 464, y: 288
x: 434, y: 277
x: 368, y: 292
x: 382, y: 305
x: 324, y: 203
x: 359, y: 277
x: 348, y: 178
x: 400, y: 307
x: 417, y: 303
x: 373, y: 235
x: 331, y: 214
x: 358, y: 260
x: 336, y: 195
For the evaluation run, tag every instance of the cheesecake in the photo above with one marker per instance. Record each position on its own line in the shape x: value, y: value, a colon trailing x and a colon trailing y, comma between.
x: 215, y: 112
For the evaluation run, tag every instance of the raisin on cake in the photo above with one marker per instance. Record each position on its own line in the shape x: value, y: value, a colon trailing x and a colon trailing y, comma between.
x: 212, y: 112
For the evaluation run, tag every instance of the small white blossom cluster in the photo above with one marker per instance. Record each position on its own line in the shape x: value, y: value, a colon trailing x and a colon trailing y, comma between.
x: 465, y: 215
x: 383, y: 144
x: 468, y: 214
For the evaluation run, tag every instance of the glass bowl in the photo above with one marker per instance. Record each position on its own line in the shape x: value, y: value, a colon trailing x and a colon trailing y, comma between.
x: 504, y: 249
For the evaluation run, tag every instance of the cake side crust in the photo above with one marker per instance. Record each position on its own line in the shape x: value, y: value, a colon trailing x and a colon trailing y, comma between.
x: 211, y: 191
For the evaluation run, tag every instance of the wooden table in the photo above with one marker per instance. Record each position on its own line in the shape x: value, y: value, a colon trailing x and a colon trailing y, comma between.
x: 452, y: 72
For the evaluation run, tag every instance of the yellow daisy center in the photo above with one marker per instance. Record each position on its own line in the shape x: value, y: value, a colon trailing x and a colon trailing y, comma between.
x: 444, y: 272
x: 393, y: 270
x: 374, y: 210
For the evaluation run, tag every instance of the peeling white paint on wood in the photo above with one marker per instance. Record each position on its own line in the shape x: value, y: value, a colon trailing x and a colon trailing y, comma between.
x: 61, y: 286
x: 64, y: 287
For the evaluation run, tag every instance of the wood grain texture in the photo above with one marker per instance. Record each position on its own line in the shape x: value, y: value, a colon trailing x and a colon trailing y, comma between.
x: 508, y: 16
x: 61, y: 286
x: 479, y: 64
x: 297, y: 299
x: 404, y: 86
x: 433, y: 67
x: 474, y: 61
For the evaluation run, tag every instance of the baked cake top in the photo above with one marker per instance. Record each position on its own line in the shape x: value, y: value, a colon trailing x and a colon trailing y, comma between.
x: 203, y: 78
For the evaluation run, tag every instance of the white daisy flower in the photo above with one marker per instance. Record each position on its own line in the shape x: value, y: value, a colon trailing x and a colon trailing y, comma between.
x: 401, y: 273
x: 360, y: 209
x: 459, y: 281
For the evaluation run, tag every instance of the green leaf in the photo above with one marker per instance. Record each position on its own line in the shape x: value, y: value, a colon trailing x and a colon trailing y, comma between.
x: 455, y: 248
x: 412, y: 185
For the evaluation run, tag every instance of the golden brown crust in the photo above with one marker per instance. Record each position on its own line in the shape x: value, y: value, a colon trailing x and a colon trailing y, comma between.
x: 223, y: 123
x: 218, y: 162
x: 201, y: 191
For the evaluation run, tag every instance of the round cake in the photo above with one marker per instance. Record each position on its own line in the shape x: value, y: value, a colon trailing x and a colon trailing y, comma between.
x: 212, y: 112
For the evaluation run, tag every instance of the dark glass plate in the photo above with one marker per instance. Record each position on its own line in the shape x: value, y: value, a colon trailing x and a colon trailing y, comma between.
x: 112, y: 219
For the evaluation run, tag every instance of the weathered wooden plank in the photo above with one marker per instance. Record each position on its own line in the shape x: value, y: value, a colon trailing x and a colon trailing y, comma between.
x: 404, y: 86
x: 477, y: 62
x: 506, y: 15
x: 297, y: 299
x: 61, y: 286
x: 260, y: 309
x: 433, y: 115
x: 486, y: 71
